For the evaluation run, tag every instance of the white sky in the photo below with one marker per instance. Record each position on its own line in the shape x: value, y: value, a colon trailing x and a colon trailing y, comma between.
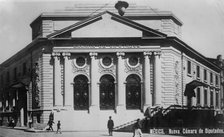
x: 203, y: 22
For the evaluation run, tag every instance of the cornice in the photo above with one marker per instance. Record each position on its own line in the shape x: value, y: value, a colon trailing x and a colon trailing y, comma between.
x: 189, y: 51
x: 87, y: 10
x: 22, y: 52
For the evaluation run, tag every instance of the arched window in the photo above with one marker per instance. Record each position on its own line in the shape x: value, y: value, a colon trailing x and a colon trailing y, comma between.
x: 133, y: 92
x: 81, y: 93
x: 107, y: 92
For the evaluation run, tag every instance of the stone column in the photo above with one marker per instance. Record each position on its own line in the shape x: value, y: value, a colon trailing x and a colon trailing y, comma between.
x: 67, y: 83
x: 22, y: 117
x: 147, y: 89
x: 120, y: 83
x: 94, y: 87
x: 58, y: 97
x: 157, y: 92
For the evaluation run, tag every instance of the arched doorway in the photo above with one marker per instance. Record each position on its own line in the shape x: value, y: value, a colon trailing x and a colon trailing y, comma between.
x: 133, y: 92
x: 107, y: 92
x: 81, y: 93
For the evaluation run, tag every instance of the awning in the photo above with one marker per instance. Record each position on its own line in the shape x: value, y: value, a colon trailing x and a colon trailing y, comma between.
x: 189, y: 90
x: 18, y: 85
x: 21, y: 83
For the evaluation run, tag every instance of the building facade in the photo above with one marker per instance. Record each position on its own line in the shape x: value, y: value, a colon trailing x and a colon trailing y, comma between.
x: 85, y: 65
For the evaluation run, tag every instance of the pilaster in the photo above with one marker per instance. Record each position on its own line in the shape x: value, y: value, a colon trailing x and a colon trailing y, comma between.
x: 67, y: 83
x: 94, y: 87
x: 120, y: 83
x: 58, y: 97
x: 147, y: 82
x: 157, y: 65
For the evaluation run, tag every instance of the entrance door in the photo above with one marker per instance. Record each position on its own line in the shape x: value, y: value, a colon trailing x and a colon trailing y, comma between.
x: 21, y: 106
x: 133, y: 92
x: 81, y: 93
x: 107, y: 92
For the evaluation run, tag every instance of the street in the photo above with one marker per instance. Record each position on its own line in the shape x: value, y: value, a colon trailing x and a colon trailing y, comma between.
x: 9, y: 132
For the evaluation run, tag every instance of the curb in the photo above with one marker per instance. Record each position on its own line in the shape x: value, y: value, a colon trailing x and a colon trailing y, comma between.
x: 35, y: 130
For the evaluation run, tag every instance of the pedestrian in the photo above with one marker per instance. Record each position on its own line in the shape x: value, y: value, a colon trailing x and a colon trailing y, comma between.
x: 13, y: 123
x: 137, y: 129
x: 30, y: 122
x: 58, y: 127
x: 110, y: 126
x: 50, y: 123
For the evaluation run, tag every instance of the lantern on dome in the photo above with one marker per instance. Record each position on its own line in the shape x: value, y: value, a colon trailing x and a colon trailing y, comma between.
x: 121, y: 6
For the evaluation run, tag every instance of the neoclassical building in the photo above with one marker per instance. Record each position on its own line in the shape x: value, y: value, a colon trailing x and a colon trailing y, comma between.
x: 85, y: 64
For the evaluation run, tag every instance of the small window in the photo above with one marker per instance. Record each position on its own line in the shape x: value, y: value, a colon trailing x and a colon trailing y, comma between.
x: 217, y: 99
x: 198, y: 71
x: 8, y: 77
x: 15, y: 73
x: 205, y: 75
x: 2, y: 80
x: 80, y: 61
x: 211, y: 78
x: 188, y: 67
x: 205, y: 97
x: 211, y: 98
x: 216, y: 80
x: 198, y: 96
x: 24, y: 69
x: 107, y: 61
x: 133, y: 61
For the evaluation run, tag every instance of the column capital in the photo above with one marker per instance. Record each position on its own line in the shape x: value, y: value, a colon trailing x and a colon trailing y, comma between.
x: 56, y: 54
x: 93, y: 54
x: 66, y: 54
x: 157, y: 53
x: 120, y: 54
x: 147, y: 53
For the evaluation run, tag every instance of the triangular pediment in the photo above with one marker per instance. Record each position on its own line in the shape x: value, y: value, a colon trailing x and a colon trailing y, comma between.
x: 106, y: 24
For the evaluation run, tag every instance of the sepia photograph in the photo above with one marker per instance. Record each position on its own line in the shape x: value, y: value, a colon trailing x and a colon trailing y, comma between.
x: 122, y: 68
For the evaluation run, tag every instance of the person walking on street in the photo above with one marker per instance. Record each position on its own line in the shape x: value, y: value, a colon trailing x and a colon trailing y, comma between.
x: 110, y: 126
x: 137, y: 129
x: 58, y: 127
x: 50, y: 123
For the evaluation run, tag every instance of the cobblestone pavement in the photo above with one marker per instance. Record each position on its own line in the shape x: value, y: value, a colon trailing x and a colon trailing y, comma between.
x: 8, y: 132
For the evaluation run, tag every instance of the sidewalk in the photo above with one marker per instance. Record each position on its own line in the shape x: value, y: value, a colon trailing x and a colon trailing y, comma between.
x: 17, y: 128
x: 19, y: 132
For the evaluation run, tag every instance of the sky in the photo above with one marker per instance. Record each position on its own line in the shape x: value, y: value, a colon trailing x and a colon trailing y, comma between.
x: 203, y: 21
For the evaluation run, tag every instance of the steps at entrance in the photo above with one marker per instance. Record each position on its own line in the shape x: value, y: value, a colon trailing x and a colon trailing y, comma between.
x: 126, y: 126
x: 39, y: 126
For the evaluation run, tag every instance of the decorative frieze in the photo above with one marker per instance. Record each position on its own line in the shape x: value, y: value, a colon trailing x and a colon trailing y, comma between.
x: 80, y: 68
x: 176, y: 80
x: 133, y: 65
x: 36, y: 86
x: 107, y: 65
x: 62, y: 76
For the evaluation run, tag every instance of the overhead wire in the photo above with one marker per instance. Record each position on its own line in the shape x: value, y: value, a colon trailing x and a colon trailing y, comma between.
x: 101, y: 8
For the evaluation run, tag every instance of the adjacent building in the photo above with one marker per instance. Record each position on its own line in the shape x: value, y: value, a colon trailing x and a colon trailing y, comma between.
x: 87, y: 63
